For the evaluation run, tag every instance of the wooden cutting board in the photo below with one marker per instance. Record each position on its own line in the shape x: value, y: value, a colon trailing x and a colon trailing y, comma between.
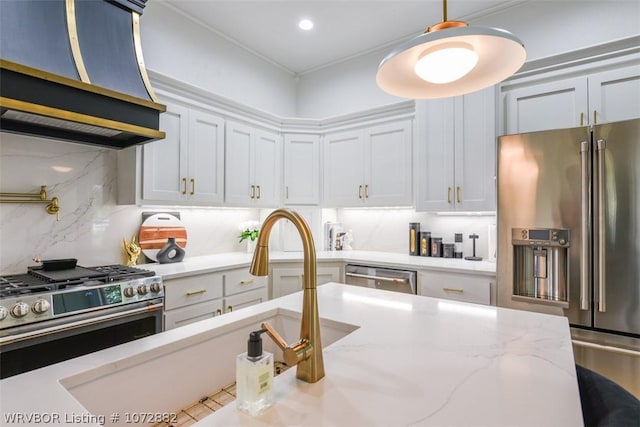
x: 156, y: 230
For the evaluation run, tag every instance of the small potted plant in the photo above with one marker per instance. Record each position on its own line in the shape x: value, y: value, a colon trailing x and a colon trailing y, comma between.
x: 249, y: 231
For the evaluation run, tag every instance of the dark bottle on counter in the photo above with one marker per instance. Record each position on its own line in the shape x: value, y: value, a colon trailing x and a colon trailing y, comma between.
x: 171, y: 252
x: 457, y: 251
x: 425, y: 243
x: 414, y: 230
x: 436, y: 246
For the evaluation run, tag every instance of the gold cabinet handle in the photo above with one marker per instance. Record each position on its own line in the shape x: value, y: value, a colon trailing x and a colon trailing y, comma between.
x: 359, y: 191
x: 218, y: 312
x: 253, y: 192
x: 449, y: 195
x: 456, y: 290
x: 230, y: 308
x: 193, y: 186
x: 458, y: 196
x: 595, y: 117
x: 184, y: 185
x: 581, y: 119
x: 246, y: 282
x: 198, y: 292
x: 286, y: 192
x: 366, y: 191
x: 258, y: 188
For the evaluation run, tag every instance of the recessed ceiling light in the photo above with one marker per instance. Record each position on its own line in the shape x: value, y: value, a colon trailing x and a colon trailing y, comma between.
x: 305, y: 24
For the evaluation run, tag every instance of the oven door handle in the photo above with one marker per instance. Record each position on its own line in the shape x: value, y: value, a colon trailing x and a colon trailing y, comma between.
x: 382, y: 279
x: 78, y: 324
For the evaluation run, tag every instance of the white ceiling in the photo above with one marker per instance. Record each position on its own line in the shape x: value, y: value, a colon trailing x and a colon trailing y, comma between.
x: 343, y: 28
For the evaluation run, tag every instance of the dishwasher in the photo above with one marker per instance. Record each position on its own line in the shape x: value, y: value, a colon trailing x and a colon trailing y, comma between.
x: 389, y: 279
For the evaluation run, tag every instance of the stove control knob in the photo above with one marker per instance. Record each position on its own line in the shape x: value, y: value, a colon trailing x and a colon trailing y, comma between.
x: 155, y: 287
x: 40, y: 306
x: 129, y: 292
x: 3, y: 312
x: 142, y: 289
x: 20, y: 309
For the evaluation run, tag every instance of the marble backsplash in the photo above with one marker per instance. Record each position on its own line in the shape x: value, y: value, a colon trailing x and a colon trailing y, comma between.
x: 92, y: 225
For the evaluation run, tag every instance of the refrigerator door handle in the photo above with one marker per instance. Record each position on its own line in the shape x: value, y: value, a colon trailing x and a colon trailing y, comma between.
x: 602, y: 290
x: 584, y: 250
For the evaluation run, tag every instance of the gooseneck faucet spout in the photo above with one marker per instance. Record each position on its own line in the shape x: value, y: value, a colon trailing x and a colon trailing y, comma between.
x: 306, y: 353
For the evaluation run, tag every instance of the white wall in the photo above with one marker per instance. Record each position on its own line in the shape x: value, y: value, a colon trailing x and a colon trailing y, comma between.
x: 178, y: 47
x: 545, y: 27
x: 91, y: 226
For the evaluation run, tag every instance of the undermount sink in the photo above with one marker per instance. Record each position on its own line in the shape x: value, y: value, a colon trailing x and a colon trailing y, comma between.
x: 166, y: 378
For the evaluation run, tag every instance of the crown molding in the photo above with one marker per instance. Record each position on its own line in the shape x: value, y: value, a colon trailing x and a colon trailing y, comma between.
x: 180, y: 91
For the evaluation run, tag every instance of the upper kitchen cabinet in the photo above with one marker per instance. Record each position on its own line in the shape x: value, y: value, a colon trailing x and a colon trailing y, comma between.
x: 455, y: 153
x: 301, y: 169
x: 252, y: 166
x: 369, y: 167
x: 185, y: 168
x: 594, y: 98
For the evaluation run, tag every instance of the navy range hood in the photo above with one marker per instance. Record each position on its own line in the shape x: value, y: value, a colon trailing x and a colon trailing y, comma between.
x: 73, y: 70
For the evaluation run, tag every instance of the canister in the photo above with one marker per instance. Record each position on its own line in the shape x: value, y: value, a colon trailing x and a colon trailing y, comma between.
x: 457, y: 250
x: 414, y: 229
x: 447, y: 250
x: 425, y: 243
x: 436, y: 246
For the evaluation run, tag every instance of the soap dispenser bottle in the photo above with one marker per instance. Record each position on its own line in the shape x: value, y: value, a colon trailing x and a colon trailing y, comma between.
x: 254, y: 377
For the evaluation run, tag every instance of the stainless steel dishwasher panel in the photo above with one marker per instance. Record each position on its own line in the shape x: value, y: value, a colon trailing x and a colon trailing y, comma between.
x: 388, y: 279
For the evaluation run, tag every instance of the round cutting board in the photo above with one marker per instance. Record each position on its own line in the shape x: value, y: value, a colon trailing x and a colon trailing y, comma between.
x: 156, y: 230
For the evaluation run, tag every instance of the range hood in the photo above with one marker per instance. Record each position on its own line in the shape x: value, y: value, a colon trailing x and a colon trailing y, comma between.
x: 73, y: 70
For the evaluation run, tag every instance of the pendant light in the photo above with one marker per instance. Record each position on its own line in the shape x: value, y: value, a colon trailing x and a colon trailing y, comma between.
x: 450, y: 58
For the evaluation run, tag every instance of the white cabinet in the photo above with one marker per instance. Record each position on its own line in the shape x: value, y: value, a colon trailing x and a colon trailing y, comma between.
x: 193, y: 298
x: 369, y: 167
x: 474, y: 288
x: 187, y: 166
x: 252, y: 166
x: 301, y: 169
x: 606, y: 96
x: 201, y: 296
x: 289, y: 279
x: 455, y: 153
x: 241, y: 289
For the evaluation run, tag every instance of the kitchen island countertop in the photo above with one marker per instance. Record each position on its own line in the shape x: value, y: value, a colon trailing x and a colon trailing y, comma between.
x: 225, y: 261
x: 411, y: 361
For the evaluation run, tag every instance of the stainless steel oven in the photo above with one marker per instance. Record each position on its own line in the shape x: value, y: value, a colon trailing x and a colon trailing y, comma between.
x: 381, y: 278
x: 40, y: 326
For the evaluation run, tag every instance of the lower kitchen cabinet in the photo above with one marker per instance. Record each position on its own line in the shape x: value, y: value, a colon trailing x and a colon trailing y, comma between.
x: 474, y: 288
x: 201, y: 296
x: 287, y: 280
x: 241, y: 289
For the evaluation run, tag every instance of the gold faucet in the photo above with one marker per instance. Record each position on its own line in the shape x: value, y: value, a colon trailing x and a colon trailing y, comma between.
x: 307, y: 352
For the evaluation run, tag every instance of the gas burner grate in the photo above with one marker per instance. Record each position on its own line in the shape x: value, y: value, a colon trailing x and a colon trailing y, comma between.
x: 120, y: 272
x: 22, y: 284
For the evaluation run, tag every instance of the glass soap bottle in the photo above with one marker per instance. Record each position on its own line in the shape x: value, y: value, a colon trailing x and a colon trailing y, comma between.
x: 254, y: 377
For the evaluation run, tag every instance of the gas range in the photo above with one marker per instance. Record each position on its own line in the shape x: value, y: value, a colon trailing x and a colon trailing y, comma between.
x: 41, y: 295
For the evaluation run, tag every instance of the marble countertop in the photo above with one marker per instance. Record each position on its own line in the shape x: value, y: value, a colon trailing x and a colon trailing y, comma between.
x: 412, y: 361
x: 225, y: 261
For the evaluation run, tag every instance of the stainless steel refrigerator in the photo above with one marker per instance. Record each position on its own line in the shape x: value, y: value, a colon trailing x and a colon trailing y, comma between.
x: 569, y: 226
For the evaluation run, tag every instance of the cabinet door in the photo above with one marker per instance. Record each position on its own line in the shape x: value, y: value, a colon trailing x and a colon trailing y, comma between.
x: 614, y: 95
x: 301, y: 169
x: 246, y: 299
x: 552, y: 105
x: 387, y: 170
x: 433, y: 164
x: 165, y: 162
x: 193, y: 313
x: 206, y: 158
x: 344, y: 169
x: 475, y: 148
x: 456, y: 286
x: 289, y: 280
x: 238, y: 164
x: 267, y: 170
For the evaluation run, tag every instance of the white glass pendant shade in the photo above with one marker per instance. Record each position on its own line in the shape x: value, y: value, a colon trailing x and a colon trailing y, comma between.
x: 446, y: 64
x: 499, y: 55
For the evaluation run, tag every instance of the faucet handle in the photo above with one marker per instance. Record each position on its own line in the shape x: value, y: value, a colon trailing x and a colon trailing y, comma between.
x: 293, y: 354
